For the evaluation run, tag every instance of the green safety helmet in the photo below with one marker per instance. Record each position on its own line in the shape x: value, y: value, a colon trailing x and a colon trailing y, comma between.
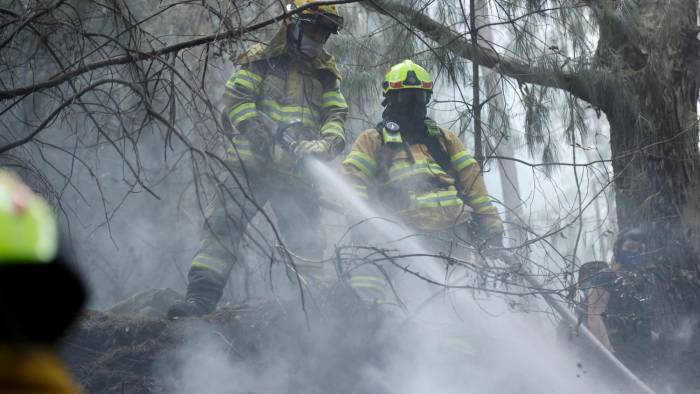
x: 40, y: 294
x: 28, y: 230
x: 407, y: 75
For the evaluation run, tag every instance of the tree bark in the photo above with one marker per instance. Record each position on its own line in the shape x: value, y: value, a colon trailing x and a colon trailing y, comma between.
x: 654, y: 138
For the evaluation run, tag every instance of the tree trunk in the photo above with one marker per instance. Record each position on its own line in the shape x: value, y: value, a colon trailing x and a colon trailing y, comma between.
x: 654, y: 136
x: 499, y: 128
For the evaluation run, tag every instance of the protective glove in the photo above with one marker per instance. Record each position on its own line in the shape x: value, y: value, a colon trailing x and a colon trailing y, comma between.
x: 320, y: 149
x: 494, y: 249
x: 259, y: 136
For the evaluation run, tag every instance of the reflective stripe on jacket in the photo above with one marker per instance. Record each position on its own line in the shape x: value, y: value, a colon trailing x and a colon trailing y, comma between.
x: 433, y: 202
x: 287, y: 92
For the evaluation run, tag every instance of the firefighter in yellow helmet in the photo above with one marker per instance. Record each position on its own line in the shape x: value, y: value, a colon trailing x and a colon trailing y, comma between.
x: 284, y: 103
x: 418, y: 171
x: 39, y: 295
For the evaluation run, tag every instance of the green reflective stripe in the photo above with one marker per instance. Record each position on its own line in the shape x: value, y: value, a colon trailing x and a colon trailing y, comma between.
x: 360, y: 190
x: 243, y: 112
x: 247, y: 84
x: 240, y: 151
x: 368, y: 282
x: 356, y: 162
x: 480, y: 200
x: 362, y: 161
x: 462, y: 160
x: 246, y: 79
x: 487, y: 209
x: 308, y: 116
x: 249, y: 75
x: 405, y: 170
x: 440, y: 199
x: 241, y: 147
x: 333, y: 128
x: 481, y: 204
x: 333, y: 99
x: 211, y: 263
x: 369, y: 278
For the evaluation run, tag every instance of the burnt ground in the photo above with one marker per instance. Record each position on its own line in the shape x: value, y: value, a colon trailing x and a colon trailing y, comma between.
x: 116, y: 353
x: 112, y: 352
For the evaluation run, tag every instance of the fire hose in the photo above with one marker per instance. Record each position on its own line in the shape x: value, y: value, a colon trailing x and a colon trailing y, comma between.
x: 604, y: 355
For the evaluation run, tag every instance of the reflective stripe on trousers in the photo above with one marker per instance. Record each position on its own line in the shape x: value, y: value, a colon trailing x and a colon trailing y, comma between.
x: 228, y: 215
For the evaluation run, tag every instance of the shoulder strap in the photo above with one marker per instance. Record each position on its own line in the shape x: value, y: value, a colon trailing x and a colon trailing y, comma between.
x: 439, y: 153
x: 384, y: 155
x: 442, y: 157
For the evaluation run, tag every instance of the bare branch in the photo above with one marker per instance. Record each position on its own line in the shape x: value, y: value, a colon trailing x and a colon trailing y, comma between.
x: 139, y: 56
x: 577, y: 83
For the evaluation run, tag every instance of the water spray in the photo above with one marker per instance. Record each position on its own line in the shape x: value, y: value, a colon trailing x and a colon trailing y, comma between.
x: 343, y: 191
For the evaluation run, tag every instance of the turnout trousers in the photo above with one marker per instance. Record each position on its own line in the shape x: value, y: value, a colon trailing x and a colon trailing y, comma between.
x: 295, y: 202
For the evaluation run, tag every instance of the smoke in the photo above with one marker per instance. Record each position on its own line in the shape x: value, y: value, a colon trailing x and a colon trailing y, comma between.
x: 445, y: 341
x: 480, y: 352
x: 204, y: 364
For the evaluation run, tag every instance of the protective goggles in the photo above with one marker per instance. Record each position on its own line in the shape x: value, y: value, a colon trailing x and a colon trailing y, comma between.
x: 329, y: 23
x: 410, y: 96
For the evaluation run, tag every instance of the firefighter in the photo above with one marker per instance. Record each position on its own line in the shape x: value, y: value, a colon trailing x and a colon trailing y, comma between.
x: 417, y: 170
x: 39, y: 295
x: 618, y: 310
x: 288, y: 87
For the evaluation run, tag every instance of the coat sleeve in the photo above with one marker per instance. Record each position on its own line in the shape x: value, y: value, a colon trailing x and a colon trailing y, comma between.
x: 240, y: 97
x: 334, y: 112
x: 472, y: 181
x: 360, y: 166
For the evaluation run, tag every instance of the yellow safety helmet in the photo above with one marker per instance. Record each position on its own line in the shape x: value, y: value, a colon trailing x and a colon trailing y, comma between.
x: 28, y: 229
x: 325, y: 16
x: 40, y: 294
x: 407, y: 75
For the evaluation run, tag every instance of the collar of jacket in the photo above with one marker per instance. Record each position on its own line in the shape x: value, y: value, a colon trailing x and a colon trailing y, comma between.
x: 33, y: 370
x: 277, y: 46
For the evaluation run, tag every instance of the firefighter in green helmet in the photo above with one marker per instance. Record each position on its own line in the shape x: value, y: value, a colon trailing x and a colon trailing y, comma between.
x: 283, y: 103
x: 417, y: 170
x: 40, y: 295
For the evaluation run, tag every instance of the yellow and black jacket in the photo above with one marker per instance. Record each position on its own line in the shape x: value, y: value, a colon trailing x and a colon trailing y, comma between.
x: 423, y: 193
x: 270, y: 82
x: 34, y: 370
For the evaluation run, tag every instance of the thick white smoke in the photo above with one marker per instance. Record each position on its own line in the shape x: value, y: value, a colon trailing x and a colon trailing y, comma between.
x: 447, y: 341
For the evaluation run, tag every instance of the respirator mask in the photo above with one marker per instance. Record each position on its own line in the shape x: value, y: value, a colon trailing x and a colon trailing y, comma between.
x: 407, y: 107
x: 632, y: 261
x: 307, y: 39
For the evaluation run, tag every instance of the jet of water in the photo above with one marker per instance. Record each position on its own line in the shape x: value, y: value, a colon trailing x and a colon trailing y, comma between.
x: 342, y: 191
